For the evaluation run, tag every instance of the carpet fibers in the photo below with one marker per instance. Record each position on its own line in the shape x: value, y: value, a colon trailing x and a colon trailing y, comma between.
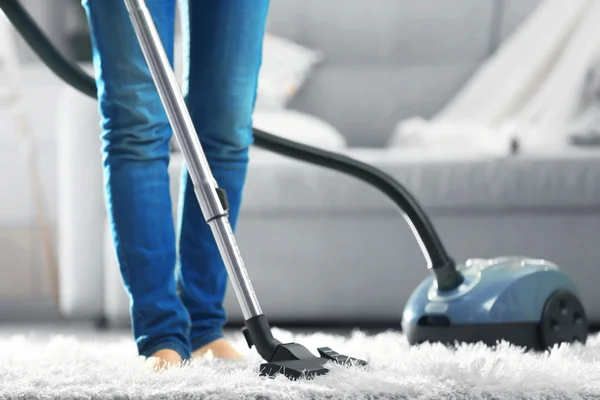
x: 69, y: 367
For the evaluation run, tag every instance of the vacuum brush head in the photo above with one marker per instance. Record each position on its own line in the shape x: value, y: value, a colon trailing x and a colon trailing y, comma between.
x: 294, y: 361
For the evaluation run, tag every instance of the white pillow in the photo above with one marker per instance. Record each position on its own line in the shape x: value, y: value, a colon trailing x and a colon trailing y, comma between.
x: 285, y: 67
x: 299, y: 127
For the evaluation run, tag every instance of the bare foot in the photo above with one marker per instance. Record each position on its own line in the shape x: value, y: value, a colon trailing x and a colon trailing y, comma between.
x: 220, y: 348
x: 163, y: 359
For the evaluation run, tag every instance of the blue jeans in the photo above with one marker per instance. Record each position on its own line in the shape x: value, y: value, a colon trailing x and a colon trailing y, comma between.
x: 176, y: 283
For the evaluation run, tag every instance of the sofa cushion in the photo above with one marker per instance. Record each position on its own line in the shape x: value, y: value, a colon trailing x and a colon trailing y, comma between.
x: 384, y: 59
x: 443, y: 183
x: 365, y: 102
x: 380, y: 32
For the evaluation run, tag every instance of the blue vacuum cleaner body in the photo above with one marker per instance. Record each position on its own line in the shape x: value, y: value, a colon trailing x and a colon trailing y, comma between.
x: 527, y: 302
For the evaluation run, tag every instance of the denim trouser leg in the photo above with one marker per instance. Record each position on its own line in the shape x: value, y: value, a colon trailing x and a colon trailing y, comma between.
x: 223, y: 53
x: 136, y: 136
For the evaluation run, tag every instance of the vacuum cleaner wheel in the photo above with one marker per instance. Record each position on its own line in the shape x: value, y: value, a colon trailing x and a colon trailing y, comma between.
x: 563, y: 320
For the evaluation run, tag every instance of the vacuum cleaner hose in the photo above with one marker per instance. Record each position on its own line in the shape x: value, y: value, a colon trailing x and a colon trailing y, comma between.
x: 438, y: 260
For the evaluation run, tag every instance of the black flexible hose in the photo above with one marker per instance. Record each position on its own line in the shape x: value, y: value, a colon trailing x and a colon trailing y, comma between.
x: 438, y: 259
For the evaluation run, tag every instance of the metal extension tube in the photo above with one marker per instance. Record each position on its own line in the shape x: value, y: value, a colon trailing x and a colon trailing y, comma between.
x: 210, y: 197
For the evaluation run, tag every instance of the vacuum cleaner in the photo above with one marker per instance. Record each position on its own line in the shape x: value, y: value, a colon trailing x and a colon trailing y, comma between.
x: 530, y: 303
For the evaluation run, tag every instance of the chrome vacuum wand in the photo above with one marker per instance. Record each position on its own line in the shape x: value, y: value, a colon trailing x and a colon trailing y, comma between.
x: 211, y: 198
x: 291, y: 359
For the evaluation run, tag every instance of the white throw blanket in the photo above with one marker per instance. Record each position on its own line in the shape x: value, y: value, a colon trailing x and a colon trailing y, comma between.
x: 529, y: 90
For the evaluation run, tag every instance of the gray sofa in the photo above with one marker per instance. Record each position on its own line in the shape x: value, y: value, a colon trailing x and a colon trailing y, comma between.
x: 325, y: 247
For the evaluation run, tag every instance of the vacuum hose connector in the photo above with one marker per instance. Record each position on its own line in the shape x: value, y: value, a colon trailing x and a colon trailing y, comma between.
x: 447, y: 277
x: 438, y: 260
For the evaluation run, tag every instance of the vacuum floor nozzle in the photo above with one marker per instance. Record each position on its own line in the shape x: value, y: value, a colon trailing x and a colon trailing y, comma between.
x: 297, y: 362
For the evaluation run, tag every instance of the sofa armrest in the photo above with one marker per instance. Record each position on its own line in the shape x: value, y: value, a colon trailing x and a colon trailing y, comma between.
x: 81, y: 210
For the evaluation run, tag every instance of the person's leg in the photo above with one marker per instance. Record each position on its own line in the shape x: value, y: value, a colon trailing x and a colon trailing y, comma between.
x: 223, y: 53
x: 136, y: 135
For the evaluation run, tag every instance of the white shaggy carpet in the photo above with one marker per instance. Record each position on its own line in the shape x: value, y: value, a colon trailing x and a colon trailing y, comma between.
x: 68, y: 367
